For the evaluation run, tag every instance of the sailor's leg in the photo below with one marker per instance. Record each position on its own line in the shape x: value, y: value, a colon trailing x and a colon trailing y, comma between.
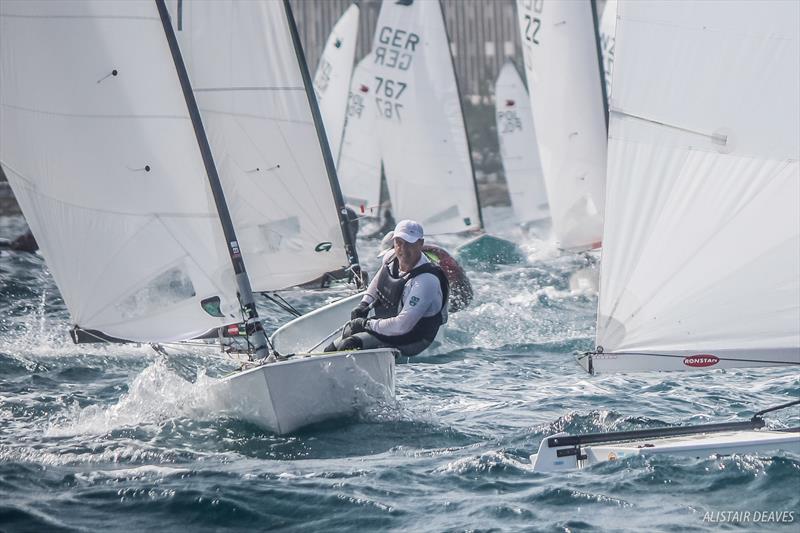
x: 414, y: 348
x: 359, y: 341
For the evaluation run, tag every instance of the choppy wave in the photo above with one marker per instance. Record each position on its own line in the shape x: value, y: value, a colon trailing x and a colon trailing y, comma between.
x: 120, y: 437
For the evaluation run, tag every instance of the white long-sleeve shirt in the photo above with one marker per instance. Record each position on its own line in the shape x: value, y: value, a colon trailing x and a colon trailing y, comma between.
x: 422, y: 297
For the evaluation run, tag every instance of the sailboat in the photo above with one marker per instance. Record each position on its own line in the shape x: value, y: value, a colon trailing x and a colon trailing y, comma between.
x: 423, y: 140
x: 149, y: 192
x: 701, y: 246
x: 359, y: 166
x: 518, y: 149
x: 332, y: 79
x: 566, y: 92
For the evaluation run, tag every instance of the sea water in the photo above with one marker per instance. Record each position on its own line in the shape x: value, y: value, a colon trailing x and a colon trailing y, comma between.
x: 122, y: 438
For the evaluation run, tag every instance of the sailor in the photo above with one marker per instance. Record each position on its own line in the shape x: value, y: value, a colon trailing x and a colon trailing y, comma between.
x: 460, y: 286
x: 409, y: 297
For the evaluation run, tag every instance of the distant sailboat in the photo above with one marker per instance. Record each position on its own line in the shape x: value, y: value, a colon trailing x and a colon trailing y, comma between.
x: 518, y: 147
x: 359, y: 167
x: 147, y: 206
x: 332, y: 79
x: 701, y: 247
x: 424, y: 143
x: 563, y: 73
x: 420, y: 124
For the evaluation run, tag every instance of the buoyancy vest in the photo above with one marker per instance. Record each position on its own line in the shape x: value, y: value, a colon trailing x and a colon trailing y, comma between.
x: 390, y: 285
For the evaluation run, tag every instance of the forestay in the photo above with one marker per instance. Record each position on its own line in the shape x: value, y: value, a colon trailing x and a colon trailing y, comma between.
x: 332, y: 79
x: 518, y: 147
x: 422, y: 135
x: 248, y: 84
x: 99, y: 149
x: 359, y: 167
x: 561, y: 65
x: 701, y: 251
x: 608, y: 24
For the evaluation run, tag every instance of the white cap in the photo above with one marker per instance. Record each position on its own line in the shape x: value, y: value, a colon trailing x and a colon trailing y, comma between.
x: 408, y: 230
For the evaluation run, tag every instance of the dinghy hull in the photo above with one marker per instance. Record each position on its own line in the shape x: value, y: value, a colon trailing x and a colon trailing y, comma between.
x: 488, y: 249
x: 310, y: 388
x: 761, y: 443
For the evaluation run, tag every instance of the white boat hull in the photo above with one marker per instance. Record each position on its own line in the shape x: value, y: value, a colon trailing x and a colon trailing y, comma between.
x: 697, y: 446
x: 310, y: 388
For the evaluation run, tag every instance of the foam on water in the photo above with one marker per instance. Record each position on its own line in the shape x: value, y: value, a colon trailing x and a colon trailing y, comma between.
x: 155, y: 396
x: 103, y: 437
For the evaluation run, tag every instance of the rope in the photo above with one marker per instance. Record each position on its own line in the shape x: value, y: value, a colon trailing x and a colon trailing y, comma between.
x: 281, y: 302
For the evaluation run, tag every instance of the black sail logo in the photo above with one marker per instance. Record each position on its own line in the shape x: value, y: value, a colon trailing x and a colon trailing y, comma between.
x: 324, y: 247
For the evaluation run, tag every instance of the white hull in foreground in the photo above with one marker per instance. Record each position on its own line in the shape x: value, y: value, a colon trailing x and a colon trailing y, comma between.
x: 309, y: 388
x: 569, y: 452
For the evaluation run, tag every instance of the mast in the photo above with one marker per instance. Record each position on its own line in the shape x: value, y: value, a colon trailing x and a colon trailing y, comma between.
x: 253, y: 325
x: 463, y: 119
x: 341, y: 211
x: 596, y: 28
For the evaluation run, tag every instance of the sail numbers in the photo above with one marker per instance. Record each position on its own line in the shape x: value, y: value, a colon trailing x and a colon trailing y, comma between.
x: 533, y: 22
x: 387, y: 94
x: 400, y: 45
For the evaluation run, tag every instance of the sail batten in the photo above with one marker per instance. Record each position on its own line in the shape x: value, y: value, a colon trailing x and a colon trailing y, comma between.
x: 702, y: 238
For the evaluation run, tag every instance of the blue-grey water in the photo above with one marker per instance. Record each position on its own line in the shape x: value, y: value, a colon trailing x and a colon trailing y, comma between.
x: 98, y: 438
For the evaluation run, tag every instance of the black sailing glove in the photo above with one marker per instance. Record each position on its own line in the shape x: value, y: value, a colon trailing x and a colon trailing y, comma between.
x: 360, y: 312
x: 357, y: 325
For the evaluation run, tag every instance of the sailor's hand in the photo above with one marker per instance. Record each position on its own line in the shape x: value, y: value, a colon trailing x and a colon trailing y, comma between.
x: 360, y: 312
x: 357, y: 325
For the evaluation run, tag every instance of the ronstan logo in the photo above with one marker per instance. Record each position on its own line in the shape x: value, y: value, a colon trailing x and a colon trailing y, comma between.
x: 701, y: 360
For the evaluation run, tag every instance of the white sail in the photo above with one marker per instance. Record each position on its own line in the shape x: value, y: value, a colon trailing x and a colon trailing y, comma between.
x: 563, y: 74
x: 518, y: 147
x: 359, y: 167
x: 332, y: 79
x: 422, y: 135
x: 701, y: 250
x: 97, y: 143
x: 248, y: 84
x: 608, y: 25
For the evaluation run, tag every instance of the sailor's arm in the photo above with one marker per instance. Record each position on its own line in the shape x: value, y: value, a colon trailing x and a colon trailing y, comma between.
x: 371, y: 294
x: 423, y: 296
